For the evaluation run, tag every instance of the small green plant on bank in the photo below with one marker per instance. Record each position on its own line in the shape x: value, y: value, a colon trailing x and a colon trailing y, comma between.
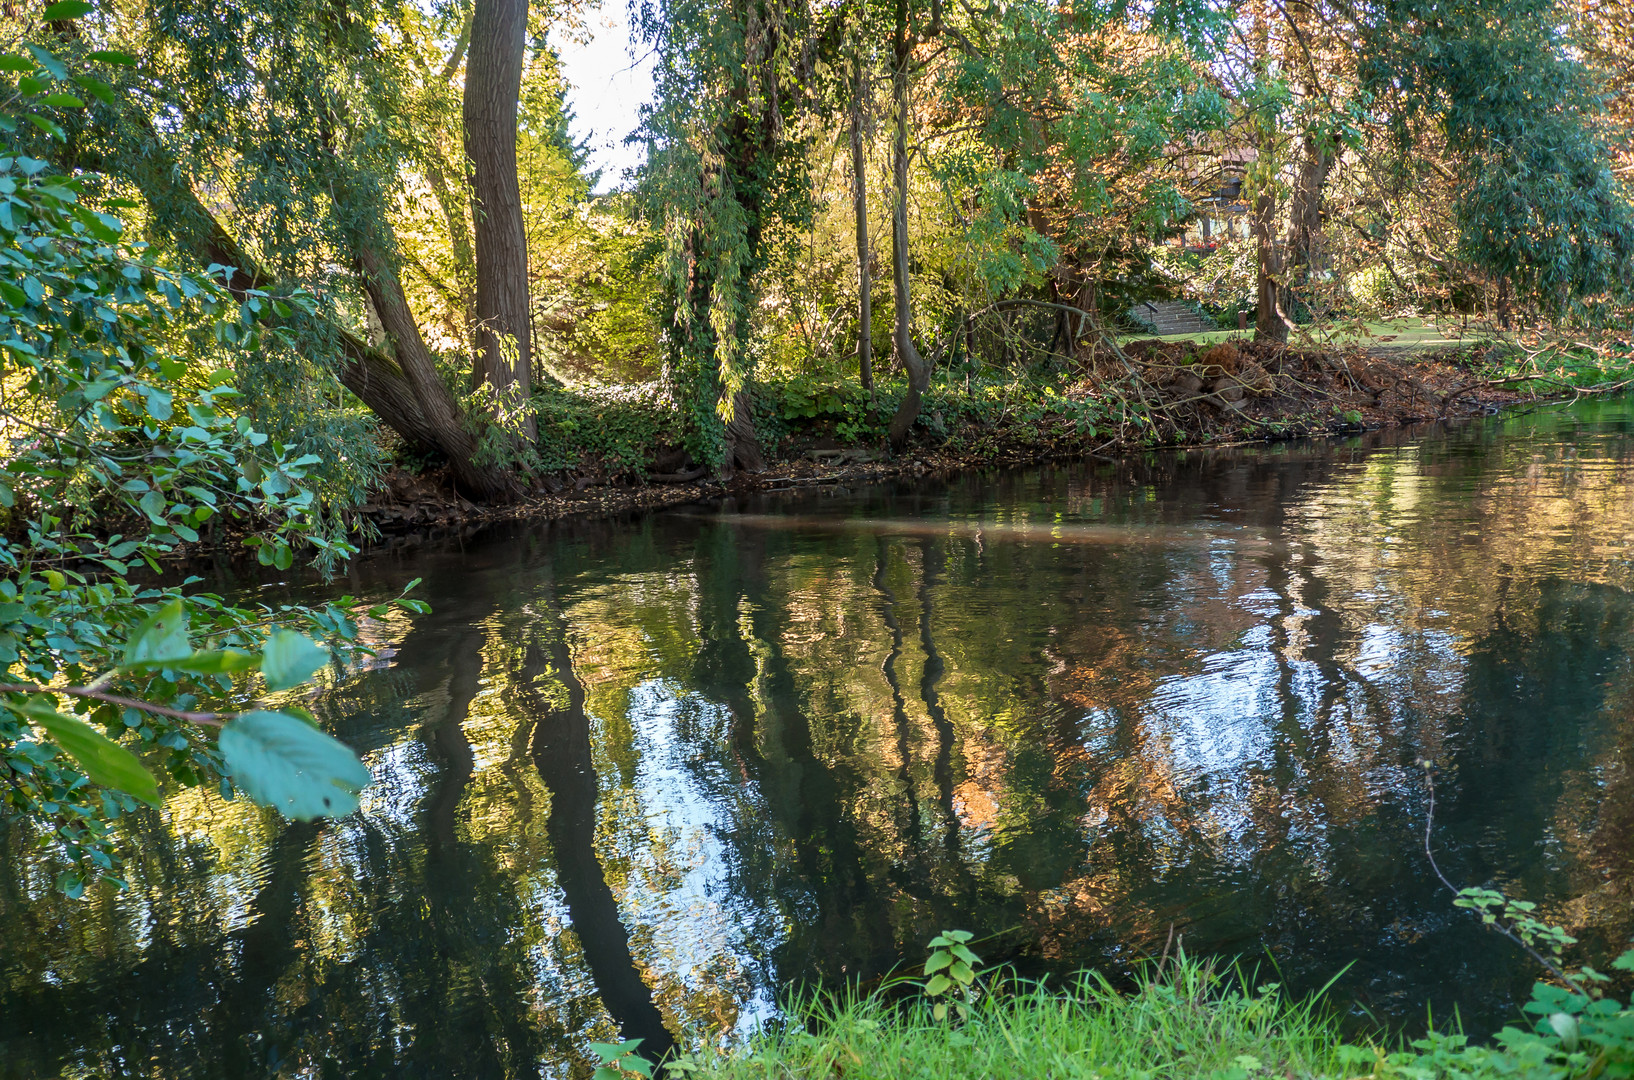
x: 619, y: 1060
x: 950, y: 974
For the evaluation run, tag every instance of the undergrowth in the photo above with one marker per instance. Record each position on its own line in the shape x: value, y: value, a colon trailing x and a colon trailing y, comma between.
x: 987, y: 412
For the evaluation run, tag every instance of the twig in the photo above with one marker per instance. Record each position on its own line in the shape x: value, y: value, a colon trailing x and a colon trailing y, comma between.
x: 1429, y: 824
x: 209, y: 719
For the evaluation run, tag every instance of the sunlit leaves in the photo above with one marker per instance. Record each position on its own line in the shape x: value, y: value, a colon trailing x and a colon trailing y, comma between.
x: 160, y: 637
x: 284, y: 762
x: 123, y: 445
x: 620, y: 1058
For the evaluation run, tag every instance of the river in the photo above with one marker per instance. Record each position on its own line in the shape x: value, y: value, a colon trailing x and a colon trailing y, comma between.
x: 652, y: 775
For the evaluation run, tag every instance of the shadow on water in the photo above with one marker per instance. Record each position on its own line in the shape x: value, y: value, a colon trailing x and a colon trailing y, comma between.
x: 641, y: 779
x: 560, y: 749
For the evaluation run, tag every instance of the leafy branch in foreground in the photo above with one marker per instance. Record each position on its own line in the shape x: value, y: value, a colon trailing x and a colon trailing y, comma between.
x: 1578, y: 1026
x: 119, y: 442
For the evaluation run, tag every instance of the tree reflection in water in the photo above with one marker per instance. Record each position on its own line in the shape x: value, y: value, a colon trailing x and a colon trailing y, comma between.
x: 641, y: 778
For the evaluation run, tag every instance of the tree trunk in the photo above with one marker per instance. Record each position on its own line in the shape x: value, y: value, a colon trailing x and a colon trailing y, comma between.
x: 743, y: 450
x: 1305, y: 211
x: 1270, y: 320
x: 493, y: 83
x: 916, y: 367
x: 408, y: 397
x: 859, y: 202
x: 437, y: 405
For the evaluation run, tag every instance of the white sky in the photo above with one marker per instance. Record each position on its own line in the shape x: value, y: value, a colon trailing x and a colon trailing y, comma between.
x: 606, y: 88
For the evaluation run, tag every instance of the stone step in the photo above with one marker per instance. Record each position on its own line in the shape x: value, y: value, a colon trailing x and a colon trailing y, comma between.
x: 1171, y: 317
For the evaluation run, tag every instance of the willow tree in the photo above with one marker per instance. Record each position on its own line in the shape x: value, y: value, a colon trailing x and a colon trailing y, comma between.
x: 721, y: 163
x: 301, y: 186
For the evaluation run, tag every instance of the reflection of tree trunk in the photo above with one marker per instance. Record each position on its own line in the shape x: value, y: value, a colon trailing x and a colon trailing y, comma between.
x: 859, y: 203
x: 269, y: 944
x: 899, y: 709
x: 810, y: 801
x: 931, y: 565
x: 449, y: 741
x: 561, y: 753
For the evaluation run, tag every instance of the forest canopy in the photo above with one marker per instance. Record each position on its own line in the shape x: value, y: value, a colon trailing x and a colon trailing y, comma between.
x: 1001, y: 182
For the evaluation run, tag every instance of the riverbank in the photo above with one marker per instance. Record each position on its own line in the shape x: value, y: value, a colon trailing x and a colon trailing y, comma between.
x: 1184, y: 1019
x: 619, y: 451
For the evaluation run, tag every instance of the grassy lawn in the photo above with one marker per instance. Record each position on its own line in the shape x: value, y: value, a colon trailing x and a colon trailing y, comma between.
x: 1394, y: 335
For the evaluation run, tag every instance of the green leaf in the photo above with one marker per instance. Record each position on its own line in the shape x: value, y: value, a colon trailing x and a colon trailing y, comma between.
x: 161, y: 637
x: 153, y: 505
x: 611, y: 1052
x: 112, y: 56
x: 63, y: 101
x: 104, y: 761
x: 50, y: 127
x: 214, y: 662
x: 9, y: 62
x: 290, y: 659
x: 97, y: 88
x: 158, y: 404
x: 282, y: 762
x: 939, y: 984
x: 68, y: 9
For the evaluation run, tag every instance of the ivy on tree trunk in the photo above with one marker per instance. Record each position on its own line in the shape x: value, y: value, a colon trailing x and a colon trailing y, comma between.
x: 493, y: 84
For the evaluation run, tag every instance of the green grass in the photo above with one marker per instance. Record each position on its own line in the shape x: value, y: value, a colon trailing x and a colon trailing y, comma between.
x: 1392, y: 335
x: 1185, y: 1020
x: 1184, y: 1025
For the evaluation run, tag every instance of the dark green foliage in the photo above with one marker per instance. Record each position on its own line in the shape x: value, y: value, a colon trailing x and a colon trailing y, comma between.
x: 722, y: 164
x: 981, y: 414
x: 1536, y: 201
x: 615, y: 430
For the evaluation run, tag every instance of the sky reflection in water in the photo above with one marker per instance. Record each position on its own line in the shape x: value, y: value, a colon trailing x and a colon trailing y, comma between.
x: 648, y: 776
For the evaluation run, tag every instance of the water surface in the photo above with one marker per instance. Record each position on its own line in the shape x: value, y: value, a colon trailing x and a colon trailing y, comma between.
x: 646, y: 776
